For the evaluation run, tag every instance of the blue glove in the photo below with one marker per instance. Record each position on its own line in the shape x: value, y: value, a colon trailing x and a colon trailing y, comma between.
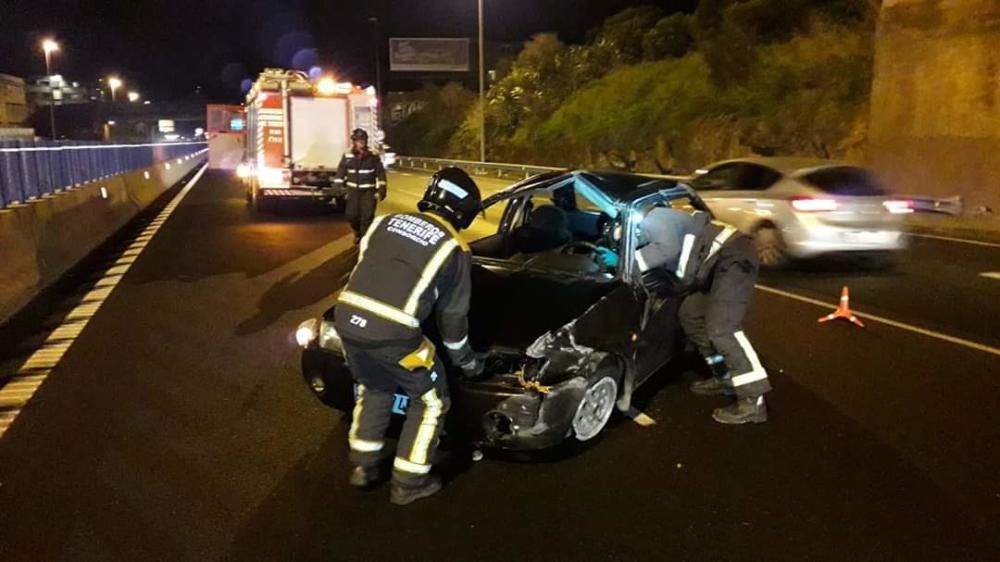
x: 608, y: 257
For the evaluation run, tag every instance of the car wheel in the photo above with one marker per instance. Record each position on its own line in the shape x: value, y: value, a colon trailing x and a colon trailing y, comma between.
x: 595, y: 408
x: 770, y: 247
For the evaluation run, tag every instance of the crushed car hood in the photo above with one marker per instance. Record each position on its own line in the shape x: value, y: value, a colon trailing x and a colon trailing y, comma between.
x: 512, y: 308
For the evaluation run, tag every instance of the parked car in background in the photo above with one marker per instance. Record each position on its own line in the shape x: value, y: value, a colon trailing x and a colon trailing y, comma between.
x: 388, y: 156
x: 803, y: 207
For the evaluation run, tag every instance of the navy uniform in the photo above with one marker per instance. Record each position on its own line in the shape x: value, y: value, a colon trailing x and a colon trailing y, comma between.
x: 716, y: 267
x: 362, y: 173
x: 410, y: 265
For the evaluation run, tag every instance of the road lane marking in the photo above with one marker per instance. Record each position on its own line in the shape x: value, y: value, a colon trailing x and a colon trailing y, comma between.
x: 19, y: 390
x: 960, y: 240
x: 990, y: 274
x: 901, y: 325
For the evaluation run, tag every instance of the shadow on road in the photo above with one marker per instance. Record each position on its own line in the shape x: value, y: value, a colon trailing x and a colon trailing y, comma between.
x: 297, y: 291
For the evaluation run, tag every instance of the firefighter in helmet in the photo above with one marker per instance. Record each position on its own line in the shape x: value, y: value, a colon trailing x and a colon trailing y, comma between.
x: 362, y: 173
x: 410, y: 265
x: 714, y: 268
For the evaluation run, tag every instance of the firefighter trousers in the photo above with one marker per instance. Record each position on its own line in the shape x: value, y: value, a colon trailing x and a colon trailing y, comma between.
x: 380, y: 373
x: 360, y: 210
x: 713, y: 319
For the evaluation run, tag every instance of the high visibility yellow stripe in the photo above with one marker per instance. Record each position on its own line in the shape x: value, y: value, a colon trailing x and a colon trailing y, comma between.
x: 720, y: 240
x: 433, y: 408
x: 378, y: 308
x: 757, y: 373
x: 429, y: 273
x: 364, y: 240
x: 422, y: 357
x: 363, y: 446
x: 358, y: 407
x: 413, y: 468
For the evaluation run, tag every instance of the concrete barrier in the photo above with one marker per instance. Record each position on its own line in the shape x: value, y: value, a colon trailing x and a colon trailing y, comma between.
x: 41, y: 240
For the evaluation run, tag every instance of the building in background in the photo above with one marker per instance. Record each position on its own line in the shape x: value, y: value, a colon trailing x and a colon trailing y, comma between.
x: 13, y: 108
x: 42, y: 91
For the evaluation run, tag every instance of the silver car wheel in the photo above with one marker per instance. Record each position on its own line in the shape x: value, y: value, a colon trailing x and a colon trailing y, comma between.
x: 770, y: 247
x: 595, y: 409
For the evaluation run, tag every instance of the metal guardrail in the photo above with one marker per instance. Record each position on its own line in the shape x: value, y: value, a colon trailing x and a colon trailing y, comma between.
x: 921, y: 204
x: 496, y: 169
x: 31, y: 169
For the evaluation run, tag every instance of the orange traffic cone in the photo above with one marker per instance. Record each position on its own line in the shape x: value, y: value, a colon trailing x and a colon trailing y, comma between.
x: 843, y: 310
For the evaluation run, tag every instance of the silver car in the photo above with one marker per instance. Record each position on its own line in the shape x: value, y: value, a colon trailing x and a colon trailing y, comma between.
x: 803, y: 208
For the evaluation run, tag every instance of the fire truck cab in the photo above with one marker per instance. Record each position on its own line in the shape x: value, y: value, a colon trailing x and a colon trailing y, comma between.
x: 297, y: 132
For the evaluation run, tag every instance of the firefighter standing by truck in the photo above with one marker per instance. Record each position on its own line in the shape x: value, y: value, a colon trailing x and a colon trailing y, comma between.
x: 409, y: 265
x: 362, y: 173
x: 713, y: 264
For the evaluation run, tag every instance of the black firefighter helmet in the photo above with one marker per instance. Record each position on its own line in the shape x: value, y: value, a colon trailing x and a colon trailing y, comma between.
x: 454, y: 195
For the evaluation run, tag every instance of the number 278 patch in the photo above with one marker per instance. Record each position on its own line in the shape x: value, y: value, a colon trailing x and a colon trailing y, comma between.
x: 358, y: 321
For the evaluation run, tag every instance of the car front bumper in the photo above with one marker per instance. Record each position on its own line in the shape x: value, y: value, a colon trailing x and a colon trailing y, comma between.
x: 498, y: 412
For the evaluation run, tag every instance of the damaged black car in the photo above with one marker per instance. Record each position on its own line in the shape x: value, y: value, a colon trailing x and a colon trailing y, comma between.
x: 558, y: 307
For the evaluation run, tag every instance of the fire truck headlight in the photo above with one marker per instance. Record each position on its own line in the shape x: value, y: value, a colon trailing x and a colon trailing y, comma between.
x: 272, y: 177
x: 243, y: 171
x: 326, y: 87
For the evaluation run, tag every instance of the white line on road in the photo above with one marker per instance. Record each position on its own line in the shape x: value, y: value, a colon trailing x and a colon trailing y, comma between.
x: 960, y: 240
x: 990, y: 274
x: 16, y: 394
x: 903, y: 326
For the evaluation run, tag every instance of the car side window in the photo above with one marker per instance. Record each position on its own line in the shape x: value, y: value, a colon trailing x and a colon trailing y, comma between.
x: 755, y: 177
x: 722, y: 177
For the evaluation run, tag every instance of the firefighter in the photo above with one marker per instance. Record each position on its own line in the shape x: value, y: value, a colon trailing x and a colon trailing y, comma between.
x: 362, y: 173
x: 409, y: 265
x: 714, y: 268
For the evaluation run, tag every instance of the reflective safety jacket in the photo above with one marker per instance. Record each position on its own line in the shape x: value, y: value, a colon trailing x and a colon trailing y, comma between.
x: 689, y: 267
x: 362, y: 170
x: 410, y: 265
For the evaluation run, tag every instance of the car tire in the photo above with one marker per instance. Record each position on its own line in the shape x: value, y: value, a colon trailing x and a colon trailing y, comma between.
x: 595, y: 408
x: 770, y: 245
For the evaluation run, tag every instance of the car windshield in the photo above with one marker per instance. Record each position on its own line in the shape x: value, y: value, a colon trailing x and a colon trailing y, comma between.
x: 845, y: 180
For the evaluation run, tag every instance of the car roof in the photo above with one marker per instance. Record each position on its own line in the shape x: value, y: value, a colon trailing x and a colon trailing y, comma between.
x: 787, y: 165
x: 620, y: 187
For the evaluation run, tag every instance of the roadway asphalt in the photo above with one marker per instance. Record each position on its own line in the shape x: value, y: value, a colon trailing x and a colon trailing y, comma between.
x: 177, y: 426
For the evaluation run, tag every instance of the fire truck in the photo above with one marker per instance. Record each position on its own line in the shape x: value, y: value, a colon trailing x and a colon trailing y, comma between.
x: 297, y: 131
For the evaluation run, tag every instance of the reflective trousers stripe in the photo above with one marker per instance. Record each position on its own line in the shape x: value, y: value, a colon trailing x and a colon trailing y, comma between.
x: 362, y: 446
x: 378, y: 308
x: 433, y: 408
x: 360, y: 185
x: 455, y: 346
x: 404, y: 465
x: 359, y: 406
x: 430, y: 271
x: 758, y: 373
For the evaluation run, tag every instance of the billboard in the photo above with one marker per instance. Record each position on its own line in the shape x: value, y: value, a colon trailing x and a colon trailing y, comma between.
x: 422, y: 54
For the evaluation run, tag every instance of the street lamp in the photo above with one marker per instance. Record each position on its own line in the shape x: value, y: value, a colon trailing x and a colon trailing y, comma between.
x: 482, y: 89
x: 114, y: 83
x: 49, y: 46
x: 133, y: 97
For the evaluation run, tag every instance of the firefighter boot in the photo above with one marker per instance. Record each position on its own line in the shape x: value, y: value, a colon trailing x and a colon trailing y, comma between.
x: 362, y: 478
x: 752, y: 409
x: 713, y: 386
x: 401, y: 494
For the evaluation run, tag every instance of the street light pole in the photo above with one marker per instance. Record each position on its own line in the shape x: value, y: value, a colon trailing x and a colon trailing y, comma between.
x: 482, y: 88
x: 50, y: 46
x: 378, y: 68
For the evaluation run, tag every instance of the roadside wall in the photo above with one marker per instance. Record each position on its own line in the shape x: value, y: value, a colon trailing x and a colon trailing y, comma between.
x: 935, y: 122
x: 41, y: 240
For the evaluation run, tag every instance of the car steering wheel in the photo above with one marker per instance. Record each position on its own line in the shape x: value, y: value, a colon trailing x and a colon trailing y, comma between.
x: 575, y: 247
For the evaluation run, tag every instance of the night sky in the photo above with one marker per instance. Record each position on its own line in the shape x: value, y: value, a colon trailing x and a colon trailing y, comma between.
x: 165, y: 48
